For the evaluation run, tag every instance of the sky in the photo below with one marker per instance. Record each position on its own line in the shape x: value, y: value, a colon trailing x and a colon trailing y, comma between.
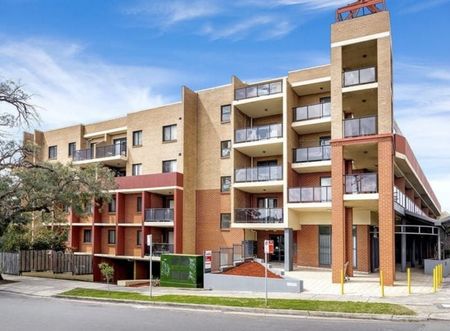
x: 90, y: 60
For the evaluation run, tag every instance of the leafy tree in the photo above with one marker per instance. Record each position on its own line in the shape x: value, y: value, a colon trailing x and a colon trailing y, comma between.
x: 107, y: 272
x: 39, y: 191
x: 16, y: 237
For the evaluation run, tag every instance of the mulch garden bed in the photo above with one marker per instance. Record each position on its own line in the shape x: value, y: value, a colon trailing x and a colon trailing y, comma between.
x: 250, y: 269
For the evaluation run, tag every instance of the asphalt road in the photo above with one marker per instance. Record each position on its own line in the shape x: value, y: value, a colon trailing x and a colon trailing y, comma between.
x: 19, y: 312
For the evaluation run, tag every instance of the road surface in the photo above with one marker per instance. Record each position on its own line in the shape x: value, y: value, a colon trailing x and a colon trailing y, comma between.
x: 20, y: 312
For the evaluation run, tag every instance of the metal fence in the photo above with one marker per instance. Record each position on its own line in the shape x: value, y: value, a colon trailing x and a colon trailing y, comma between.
x: 228, y: 257
x: 45, y: 260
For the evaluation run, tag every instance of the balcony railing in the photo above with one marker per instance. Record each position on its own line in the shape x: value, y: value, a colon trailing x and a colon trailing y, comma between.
x: 312, y: 154
x: 360, y: 76
x: 310, y: 194
x: 258, y: 215
x: 312, y: 112
x: 101, y: 152
x: 357, y: 127
x: 258, y: 90
x: 361, y: 183
x: 259, y: 133
x: 401, y: 199
x: 258, y: 174
x: 160, y: 248
x: 159, y: 215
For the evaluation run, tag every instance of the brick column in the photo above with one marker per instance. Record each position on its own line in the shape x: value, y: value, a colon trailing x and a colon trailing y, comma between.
x: 74, y: 232
x: 146, y: 230
x: 120, y: 218
x: 96, y: 230
x: 337, y: 212
x: 386, y: 210
x: 178, y: 221
x: 349, y: 240
x: 363, y: 247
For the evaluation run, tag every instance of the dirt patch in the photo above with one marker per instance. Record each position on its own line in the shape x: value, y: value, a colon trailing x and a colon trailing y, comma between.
x: 3, y: 282
x: 250, y: 269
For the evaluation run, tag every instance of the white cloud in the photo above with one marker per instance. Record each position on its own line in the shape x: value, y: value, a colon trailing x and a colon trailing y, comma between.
x: 258, y: 27
x: 71, y: 87
x: 315, y: 4
x: 422, y: 6
x: 167, y: 13
x: 422, y: 108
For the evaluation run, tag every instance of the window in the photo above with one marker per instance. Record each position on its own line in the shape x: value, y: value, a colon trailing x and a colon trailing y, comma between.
x: 170, y: 132
x: 72, y: 148
x: 325, y: 141
x: 138, y: 237
x: 169, y: 166
x: 267, y: 203
x: 112, y: 205
x: 225, y: 148
x: 139, y: 204
x: 87, y: 235
x: 52, y: 152
x: 225, y: 113
x: 225, y: 221
x: 136, y: 169
x: 137, y: 138
x: 324, y: 245
x: 225, y: 184
x: 111, y: 237
x: 325, y: 99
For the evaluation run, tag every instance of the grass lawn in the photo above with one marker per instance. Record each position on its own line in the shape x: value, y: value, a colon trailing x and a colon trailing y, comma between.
x: 311, y: 305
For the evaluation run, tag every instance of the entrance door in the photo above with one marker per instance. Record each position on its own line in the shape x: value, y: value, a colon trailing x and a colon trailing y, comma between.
x: 325, y: 245
x: 278, y: 245
x: 267, y: 203
x: 119, y: 146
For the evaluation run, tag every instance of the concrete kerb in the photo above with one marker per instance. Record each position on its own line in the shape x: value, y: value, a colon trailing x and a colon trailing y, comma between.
x: 257, y: 311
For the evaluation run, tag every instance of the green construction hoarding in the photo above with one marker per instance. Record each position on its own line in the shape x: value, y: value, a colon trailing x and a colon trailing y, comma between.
x: 180, y: 270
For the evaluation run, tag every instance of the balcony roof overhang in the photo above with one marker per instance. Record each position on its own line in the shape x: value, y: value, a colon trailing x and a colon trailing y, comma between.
x: 119, y: 161
x: 260, y: 148
x: 100, y: 134
x: 275, y: 186
x: 310, y: 167
x: 261, y: 106
x: 313, y: 86
x: 311, y: 126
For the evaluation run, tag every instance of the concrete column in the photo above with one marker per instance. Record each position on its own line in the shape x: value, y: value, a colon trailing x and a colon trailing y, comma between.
x: 288, y: 250
x: 403, y: 248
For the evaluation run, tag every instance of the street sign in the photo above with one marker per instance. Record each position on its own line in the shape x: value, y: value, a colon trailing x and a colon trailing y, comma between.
x: 268, y: 247
x: 208, y: 261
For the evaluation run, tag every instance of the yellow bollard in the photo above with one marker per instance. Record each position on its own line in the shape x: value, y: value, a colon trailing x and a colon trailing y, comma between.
x: 434, y: 280
x: 342, y: 282
x: 408, y: 272
x: 382, y: 283
x: 441, y: 275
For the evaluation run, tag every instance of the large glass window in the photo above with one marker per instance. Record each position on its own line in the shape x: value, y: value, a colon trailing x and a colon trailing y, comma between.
x: 225, y: 113
x: 137, y: 138
x: 139, y: 204
x: 225, y: 184
x: 138, y: 237
x: 325, y: 245
x: 170, y: 132
x: 169, y: 166
x: 52, y: 152
x: 225, y: 221
x: 225, y: 148
x: 136, y: 169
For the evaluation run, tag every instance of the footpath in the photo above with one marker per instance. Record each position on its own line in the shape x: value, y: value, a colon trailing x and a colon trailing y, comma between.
x: 427, y: 306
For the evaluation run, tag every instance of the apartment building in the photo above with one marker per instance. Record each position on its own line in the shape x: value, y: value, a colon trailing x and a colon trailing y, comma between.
x: 312, y: 160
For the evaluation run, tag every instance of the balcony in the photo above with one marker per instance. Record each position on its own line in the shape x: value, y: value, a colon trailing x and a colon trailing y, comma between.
x: 312, y: 159
x: 361, y: 183
x: 258, y: 216
x: 258, y: 90
x: 407, y: 203
x: 312, y: 118
x: 260, y: 100
x: 113, y: 154
x: 260, y: 141
x: 259, y: 179
x: 160, y: 248
x: 359, y: 127
x: 359, y: 77
x: 310, y: 194
x: 162, y: 217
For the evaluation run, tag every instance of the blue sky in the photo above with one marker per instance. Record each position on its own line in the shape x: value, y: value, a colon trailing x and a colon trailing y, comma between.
x: 89, y: 60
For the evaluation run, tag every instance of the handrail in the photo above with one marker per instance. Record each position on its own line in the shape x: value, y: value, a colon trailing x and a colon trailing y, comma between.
x: 258, y: 174
x: 311, y: 154
x: 361, y: 183
x: 359, y: 76
x: 258, y: 215
x: 159, y: 215
x: 310, y: 194
x: 363, y: 126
